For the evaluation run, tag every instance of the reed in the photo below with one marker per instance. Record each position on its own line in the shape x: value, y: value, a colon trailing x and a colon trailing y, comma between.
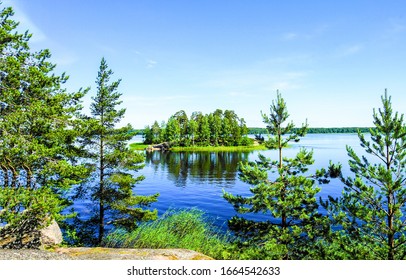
x: 185, y: 229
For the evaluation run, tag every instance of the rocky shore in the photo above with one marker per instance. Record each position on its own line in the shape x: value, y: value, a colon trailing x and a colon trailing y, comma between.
x: 99, y: 253
x: 31, y: 254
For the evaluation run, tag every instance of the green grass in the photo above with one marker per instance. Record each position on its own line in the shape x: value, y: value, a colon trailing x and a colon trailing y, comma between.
x: 141, y: 146
x: 184, y: 229
x: 218, y: 148
x: 138, y: 146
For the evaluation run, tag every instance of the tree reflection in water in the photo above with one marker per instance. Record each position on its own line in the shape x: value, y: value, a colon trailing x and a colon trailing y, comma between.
x: 208, y: 167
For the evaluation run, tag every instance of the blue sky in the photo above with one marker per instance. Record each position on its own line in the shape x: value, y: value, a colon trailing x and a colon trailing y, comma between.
x: 331, y: 60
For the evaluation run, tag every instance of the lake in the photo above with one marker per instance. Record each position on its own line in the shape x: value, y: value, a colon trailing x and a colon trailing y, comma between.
x: 188, y: 179
x: 197, y: 180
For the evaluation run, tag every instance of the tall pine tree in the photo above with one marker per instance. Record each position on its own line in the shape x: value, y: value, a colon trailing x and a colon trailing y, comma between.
x: 371, y: 210
x: 289, y: 198
x: 37, y: 135
x: 114, y: 164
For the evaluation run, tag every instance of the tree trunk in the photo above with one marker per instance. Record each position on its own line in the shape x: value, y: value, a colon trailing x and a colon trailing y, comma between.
x: 101, y: 199
x: 390, y: 198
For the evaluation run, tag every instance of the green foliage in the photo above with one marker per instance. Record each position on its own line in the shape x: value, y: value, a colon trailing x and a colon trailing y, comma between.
x: 218, y: 148
x: 290, y: 199
x: 310, y: 130
x: 37, y: 130
x: 113, y: 163
x: 215, y: 129
x: 187, y: 229
x: 371, y: 209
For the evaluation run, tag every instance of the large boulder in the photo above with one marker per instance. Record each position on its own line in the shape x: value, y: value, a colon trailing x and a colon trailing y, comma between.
x: 51, y: 235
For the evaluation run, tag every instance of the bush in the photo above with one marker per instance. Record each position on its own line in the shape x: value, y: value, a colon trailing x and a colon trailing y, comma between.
x: 246, y: 141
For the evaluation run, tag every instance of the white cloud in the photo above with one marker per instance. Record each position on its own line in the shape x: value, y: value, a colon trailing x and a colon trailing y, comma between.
x: 151, y: 63
x: 140, y: 58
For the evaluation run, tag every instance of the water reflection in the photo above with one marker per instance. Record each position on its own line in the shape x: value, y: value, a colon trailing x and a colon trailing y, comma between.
x: 208, y: 167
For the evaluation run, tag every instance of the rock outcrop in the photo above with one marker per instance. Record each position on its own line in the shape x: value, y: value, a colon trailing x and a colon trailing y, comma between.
x: 159, y: 147
x: 101, y: 253
x: 27, y: 234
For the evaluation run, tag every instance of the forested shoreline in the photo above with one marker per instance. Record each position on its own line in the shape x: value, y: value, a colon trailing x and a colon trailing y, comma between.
x: 310, y: 130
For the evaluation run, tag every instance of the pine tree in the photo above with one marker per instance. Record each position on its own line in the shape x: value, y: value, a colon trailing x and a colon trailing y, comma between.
x: 156, y: 132
x: 37, y: 131
x: 192, y: 130
x: 113, y: 162
x: 204, y: 131
x: 172, y: 132
x: 289, y: 197
x: 216, y: 126
x: 371, y: 211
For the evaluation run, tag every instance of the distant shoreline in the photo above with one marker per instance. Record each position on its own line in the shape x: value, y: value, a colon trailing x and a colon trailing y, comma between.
x: 317, y: 130
x: 311, y: 130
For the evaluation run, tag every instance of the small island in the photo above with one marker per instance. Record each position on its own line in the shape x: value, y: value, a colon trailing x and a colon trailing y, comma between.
x: 215, y: 132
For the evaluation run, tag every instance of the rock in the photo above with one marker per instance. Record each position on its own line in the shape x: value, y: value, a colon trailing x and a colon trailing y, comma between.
x: 23, y: 235
x: 159, y: 147
x: 100, y: 253
x: 31, y: 254
x: 51, y: 235
x: 27, y: 233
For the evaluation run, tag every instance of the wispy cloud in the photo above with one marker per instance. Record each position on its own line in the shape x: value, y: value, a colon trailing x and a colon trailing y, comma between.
x: 25, y: 22
x: 349, y: 50
x: 141, y: 58
x: 240, y: 94
x: 396, y: 27
x: 151, y: 63
x: 304, y: 35
x: 289, y: 36
x: 153, y: 99
x: 247, y: 83
x: 106, y: 49
x: 65, y: 59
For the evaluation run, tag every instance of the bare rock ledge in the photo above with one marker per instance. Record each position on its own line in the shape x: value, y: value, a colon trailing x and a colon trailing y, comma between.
x: 101, y: 253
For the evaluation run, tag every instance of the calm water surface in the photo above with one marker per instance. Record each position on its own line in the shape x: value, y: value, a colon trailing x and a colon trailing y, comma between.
x: 186, y: 179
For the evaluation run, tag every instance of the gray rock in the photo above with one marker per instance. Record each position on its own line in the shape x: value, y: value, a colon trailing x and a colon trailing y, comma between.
x: 51, y: 235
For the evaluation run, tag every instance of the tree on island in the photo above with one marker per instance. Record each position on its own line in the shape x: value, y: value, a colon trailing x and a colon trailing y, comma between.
x: 371, y: 210
x: 113, y: 163
x: 289, y: 197
x: 38, y: 120
x: 214, y: 129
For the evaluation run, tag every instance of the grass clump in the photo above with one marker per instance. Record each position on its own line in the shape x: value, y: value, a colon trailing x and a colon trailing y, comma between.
x: 138, y: 146
x: 185, y: 229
